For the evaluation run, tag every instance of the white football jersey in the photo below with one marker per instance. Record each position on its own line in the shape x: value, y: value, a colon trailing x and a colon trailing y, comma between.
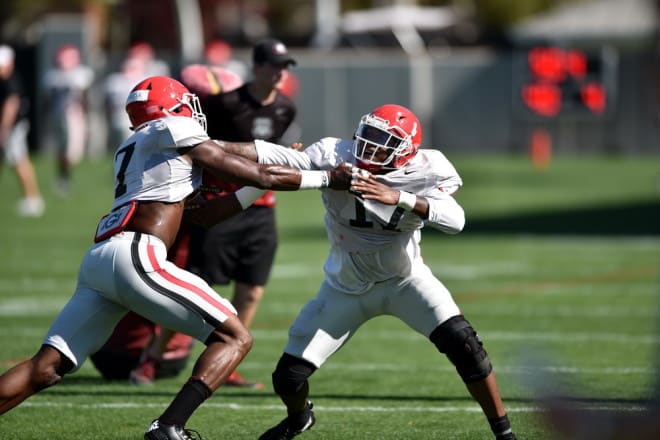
x: 372, y: 242
x: 148, y: 166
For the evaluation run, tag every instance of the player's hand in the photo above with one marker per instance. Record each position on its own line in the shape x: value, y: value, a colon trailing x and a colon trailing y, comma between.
x: 369, y: 188
x: 297, y: 146
x: 341, y: 176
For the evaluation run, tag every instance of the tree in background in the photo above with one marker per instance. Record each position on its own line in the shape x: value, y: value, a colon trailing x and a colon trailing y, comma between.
x: 290, y: 19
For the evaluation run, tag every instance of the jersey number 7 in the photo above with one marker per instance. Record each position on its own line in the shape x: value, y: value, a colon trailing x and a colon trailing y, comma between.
x: 127, y: 151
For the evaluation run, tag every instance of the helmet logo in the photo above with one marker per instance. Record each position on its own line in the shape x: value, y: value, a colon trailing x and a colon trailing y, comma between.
x: 138, y: 96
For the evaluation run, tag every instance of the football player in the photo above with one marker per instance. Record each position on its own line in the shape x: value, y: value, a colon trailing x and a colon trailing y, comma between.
x: 155, y: 170
x: 375, y: 266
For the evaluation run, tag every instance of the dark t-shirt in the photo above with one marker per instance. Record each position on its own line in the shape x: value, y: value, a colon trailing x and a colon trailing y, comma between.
x: 13, y: 86
x: 237, y: 117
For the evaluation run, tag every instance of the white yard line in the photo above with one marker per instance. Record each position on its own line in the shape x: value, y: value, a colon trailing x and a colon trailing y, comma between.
x: 512, y: 407
x: 563, y: 337
x: 409, y: 335
x: 501, y: 369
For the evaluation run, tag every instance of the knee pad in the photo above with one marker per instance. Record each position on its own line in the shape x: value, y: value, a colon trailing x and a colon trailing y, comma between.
x: 457, y: 339
x: 290, y: 375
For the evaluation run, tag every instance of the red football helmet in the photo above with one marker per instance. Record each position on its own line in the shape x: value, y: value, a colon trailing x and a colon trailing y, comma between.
x: 388, y: 137
x: 160, y: 96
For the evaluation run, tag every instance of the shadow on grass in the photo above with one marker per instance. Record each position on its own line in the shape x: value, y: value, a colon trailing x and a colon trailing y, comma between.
x: 633, y: 219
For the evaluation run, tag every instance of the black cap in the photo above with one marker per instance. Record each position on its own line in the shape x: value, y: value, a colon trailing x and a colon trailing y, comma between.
x: 273, y: 52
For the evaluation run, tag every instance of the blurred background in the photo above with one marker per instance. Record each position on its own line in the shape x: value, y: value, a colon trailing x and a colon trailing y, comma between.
x: 548, y: 109
x: 539, y: 76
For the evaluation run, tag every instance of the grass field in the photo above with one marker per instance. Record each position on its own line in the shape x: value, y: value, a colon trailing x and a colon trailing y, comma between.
x: 557, y: 270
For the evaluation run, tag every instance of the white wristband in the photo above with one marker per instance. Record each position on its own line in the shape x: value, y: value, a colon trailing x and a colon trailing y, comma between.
x: 247, y: 195
x: 407, y: 200
x: 314, y: 179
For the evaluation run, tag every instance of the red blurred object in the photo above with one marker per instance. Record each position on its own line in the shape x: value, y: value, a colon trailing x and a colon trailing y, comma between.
x: 133, y: 333
x: 594, y: 97
x: 576, y: 63
x: 289, y: 84
x: 235, y: 379
x: 543, y: 98
x: 548, y: 63
x: 540, y: 148
x: 206, y: 80
x: 565, y: 80
x: 218, y: 52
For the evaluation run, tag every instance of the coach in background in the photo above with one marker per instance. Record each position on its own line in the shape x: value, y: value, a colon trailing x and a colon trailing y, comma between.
x: 375, y: 265
x: 242, y: 249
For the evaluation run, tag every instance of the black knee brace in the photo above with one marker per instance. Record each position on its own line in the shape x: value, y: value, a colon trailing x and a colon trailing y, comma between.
x: 457, y: 339
x: 290, y: 375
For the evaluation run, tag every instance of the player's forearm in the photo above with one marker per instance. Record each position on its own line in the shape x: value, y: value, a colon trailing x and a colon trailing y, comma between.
x: 284, y: 178
x: 244, y: 149
x: 446, y: 215
x: 242, y: 171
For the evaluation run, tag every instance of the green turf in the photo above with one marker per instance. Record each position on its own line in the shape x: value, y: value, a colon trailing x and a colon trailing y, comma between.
x: 559, y: 302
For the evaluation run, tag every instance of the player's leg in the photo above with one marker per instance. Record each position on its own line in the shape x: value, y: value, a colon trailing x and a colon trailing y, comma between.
x: 17, y: 155
x: 459, y: 341
x: 32, y: 204
x: 177, y: 299
x: 247, y: 258
x: 428, y: 307
x: 246, y: 301
x: 43, y: 370
x: 63, y: 171
x: 226, y: 347
x: 76, y: 129
x: 291, y: 385
x: 81, y: 327
x: 251, y: 273
x: 153, y: 361
x: 256, y: 251
x: 321, y: 328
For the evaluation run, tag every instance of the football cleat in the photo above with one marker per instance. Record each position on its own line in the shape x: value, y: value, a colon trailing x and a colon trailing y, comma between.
x: 288, y: 428
x: 170, y: 432
x: 236, y: 380
x: 508, y: 436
